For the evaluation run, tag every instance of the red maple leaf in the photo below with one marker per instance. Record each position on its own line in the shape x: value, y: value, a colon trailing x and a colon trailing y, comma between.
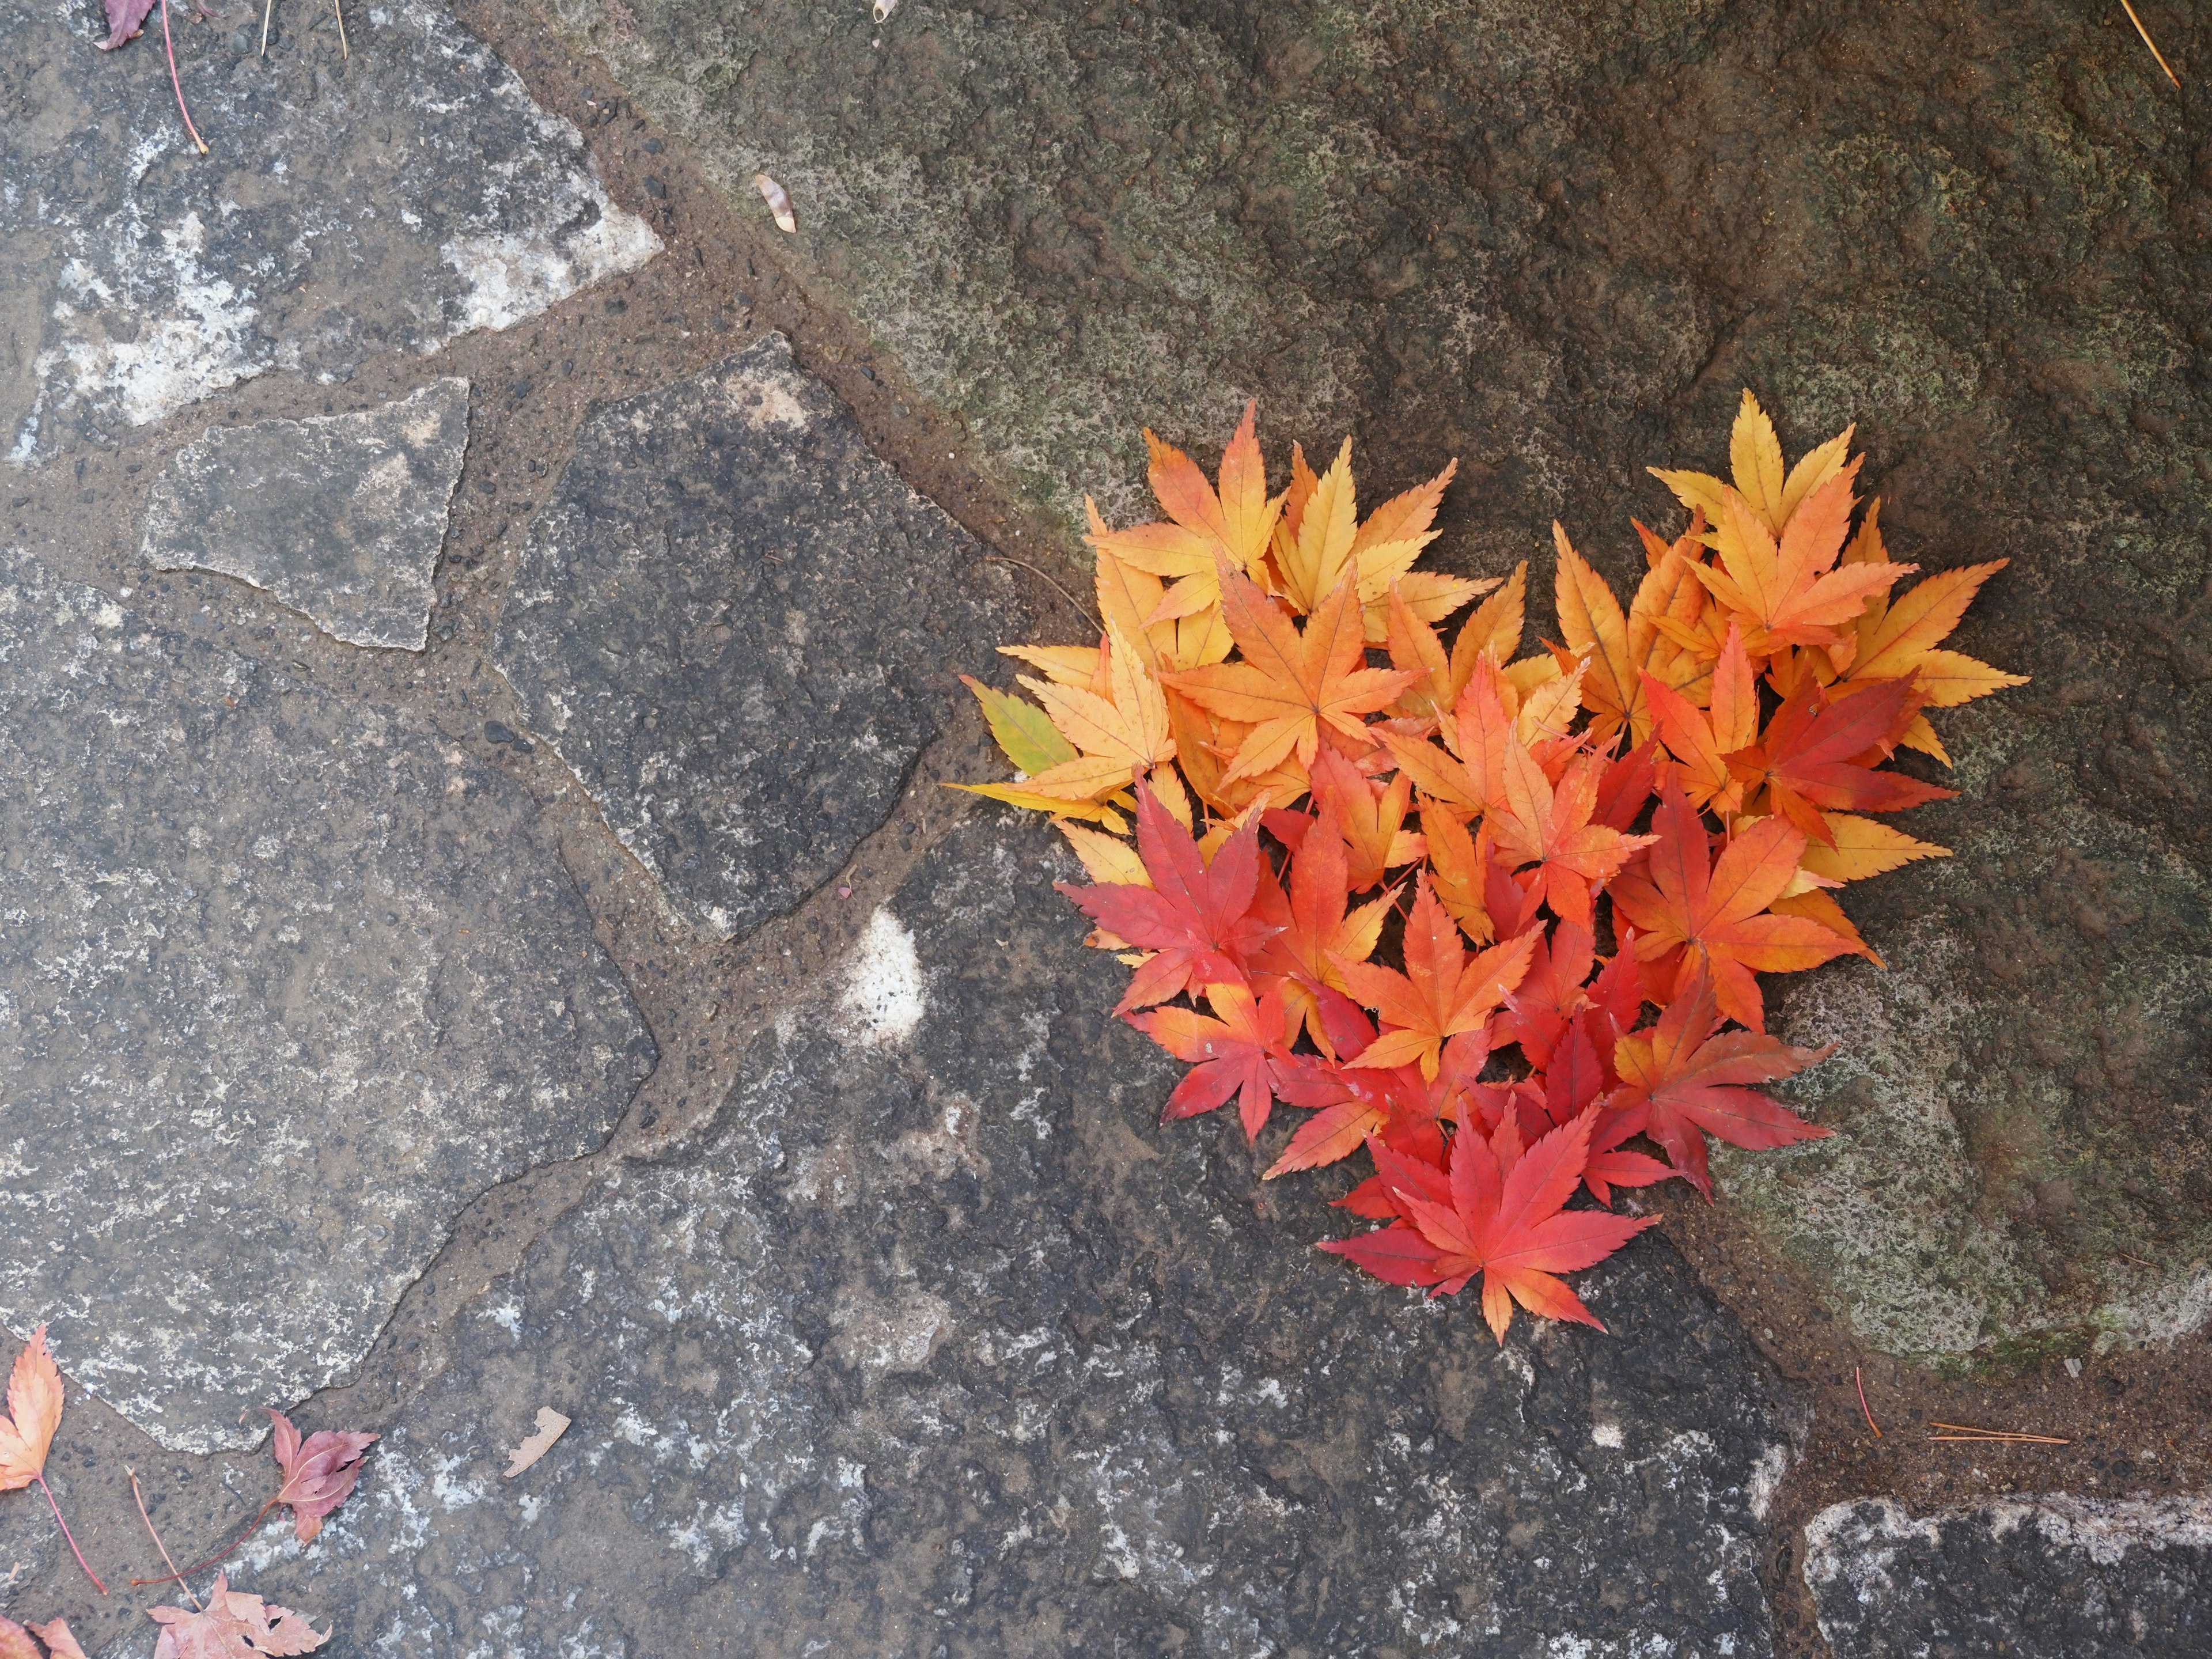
x: 1240, y: 1050
x: 1195, y: 918
x: 1316, y: 923
x: 1819, y: 753
x: 318, y: 1476
x: 1690, y: 1083
x: 1500, y: 1215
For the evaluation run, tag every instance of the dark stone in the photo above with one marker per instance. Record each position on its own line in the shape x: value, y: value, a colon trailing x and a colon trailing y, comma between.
x: 340, y: 516
x: 941, y: 1344
x: 285, y: 982
x: 738, y: 628
x: 2081, y: 1576
x: 423, y: 194
x: 1556, y: 243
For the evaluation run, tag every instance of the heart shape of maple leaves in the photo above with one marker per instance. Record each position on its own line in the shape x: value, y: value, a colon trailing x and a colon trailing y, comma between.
x: 1371, y: 871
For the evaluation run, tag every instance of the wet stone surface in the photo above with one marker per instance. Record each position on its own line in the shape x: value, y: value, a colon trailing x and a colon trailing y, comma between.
x: 387, y: 201
x: 739, y: 626
x: 940, y: 1345
x: 285, y: 983
x: 340, y: 516
x: 2051, y: 1575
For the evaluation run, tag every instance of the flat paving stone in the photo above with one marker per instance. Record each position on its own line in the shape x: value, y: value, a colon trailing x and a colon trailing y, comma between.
x: 2043, y: 1576
x: 342, y: 517
x: 943, y: 1345
x: 385, y: 201
x: 739, y: 626
x: 285, y: 982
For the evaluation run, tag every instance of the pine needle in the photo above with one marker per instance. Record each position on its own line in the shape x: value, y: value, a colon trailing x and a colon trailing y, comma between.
x: 2152, y: 44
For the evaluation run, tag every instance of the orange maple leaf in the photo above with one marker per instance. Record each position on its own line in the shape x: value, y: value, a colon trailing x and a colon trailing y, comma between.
x: 1293, y: 684
x: 1702, y: 740
x: 1537, y: 823
x: 1442, y: 994
x: 1712, y: 913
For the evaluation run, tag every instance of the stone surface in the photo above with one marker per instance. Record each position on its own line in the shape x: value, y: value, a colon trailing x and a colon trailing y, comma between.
x: 340, y: 516
x: 387, y: 201
x: 284, y: 983
x: 739, y: 626
x: 942, y: 1344
x: 1556, y: 243
x: 2051, y: 1575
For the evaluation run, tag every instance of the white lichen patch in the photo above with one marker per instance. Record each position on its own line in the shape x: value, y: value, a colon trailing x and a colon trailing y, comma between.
x: 882, y: 1000
x: 510, y: 277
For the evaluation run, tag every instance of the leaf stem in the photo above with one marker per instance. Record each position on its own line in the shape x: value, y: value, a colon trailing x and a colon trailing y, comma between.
x: 179, y: 86
x: 252, y: 1527
x: 156, y: 1536
x: 63, y: 1525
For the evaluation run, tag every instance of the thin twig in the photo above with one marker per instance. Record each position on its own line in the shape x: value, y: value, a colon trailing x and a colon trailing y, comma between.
x: 267, y: 7
x: 2152, y: 44
x: 158, y: 1544
x: 177, y: 83
x: 1080, y: 609
x: 67, y: 1534
x: 1857, y: 1378
x: 344, y: 50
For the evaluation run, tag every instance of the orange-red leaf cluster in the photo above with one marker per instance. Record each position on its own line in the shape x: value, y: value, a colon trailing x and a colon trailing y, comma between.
x: 1499, y: 919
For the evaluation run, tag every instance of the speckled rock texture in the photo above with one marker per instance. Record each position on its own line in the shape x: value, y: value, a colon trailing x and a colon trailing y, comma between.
x: 340, y: 516
x: 739, y: 626
x: 939, y: 1343
x: 285, y: 982
x: 390, y: 200
x: 2037, y: 1576
x: 1556, y: 242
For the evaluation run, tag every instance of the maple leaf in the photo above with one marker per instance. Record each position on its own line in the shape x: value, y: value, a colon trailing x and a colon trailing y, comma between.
x: 1442, y: 991
x: 61, y: 1642
x: 1535, y: 822
x: 126, y: 19
x: 1204, y: 525
x: 1702, y: 740
x: 1537, y: 1009
x: 1713, y: 911
x: 1195, y: 918
x: 1859, y: 847
x: 1240, y: 1051
x: 34, y: 1411
x: 1897, y: 635
x: 1755, y: 457
x: 1293, y: 684
x: 319, y: 1475
x: 1114, y: 737
x: 1692, y: 1084
x: 1575, y: 1077
x: 1591, y: 622
x: 1318, y: 927
x: 1373, y: 820
x: 1502, y: 1216
x: 1814, y: 754
x: 1788, y: 593
x: 234, y: 1625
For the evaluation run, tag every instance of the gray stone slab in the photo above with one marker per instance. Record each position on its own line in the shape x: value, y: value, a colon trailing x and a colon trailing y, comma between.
x: 739, y: 626
x: 284, y: 983
x: 2037, y: 1576
x: 944, y: 1346
x: 385, y: 202
x: 340, y: 516
x: 1556, y: 243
